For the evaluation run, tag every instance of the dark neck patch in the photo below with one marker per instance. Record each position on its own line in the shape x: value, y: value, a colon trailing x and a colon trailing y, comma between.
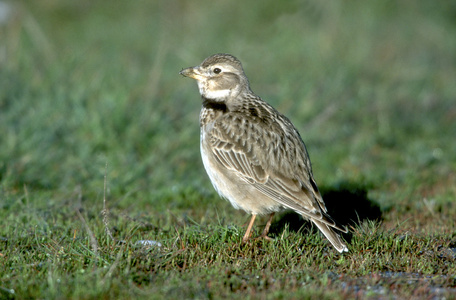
x: 215, y: 105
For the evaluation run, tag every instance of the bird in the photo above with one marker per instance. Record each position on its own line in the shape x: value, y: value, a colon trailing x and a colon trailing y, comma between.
x: 253, y: 155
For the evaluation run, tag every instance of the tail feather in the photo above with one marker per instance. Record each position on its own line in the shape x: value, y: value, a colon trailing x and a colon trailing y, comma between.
x: 332, y: 236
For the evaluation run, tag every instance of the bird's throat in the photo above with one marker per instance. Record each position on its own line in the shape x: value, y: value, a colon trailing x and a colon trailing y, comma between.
x: 216, y: 94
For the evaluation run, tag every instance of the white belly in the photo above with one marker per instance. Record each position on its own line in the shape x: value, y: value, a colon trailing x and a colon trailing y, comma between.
x: 219, y: 183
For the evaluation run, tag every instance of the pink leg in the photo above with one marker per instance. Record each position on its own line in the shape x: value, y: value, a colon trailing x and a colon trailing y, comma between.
x: 249, y: 228
x: 266, y: 228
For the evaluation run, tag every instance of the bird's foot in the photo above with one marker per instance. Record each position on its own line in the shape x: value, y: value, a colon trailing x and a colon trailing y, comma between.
x: 263, y: 236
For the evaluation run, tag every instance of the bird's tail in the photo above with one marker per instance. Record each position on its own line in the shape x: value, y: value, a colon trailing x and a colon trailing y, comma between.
x: 331, y: 235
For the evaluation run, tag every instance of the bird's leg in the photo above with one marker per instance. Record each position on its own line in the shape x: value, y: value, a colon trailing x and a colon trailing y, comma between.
x: 249, y: 228
x: 266, y: 228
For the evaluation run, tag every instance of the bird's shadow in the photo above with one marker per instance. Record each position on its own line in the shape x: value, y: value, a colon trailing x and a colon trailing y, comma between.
x: 347, y: 203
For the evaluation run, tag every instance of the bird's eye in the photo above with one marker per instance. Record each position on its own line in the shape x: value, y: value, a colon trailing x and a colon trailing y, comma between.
x: 217, y: 70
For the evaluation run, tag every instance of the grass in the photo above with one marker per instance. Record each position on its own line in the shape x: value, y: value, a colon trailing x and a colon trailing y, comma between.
x: 90, y: 89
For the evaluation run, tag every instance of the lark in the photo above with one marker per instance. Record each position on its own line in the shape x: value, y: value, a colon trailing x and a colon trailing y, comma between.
x: 254, y: 155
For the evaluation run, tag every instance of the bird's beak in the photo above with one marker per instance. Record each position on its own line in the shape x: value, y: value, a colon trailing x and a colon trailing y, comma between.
x: 192, y: 72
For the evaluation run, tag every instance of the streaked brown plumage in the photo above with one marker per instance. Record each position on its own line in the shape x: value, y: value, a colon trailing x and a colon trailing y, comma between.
x: 254, y: 155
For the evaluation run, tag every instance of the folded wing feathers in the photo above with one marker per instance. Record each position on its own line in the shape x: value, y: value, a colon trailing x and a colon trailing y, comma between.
x: 233, y: 152
x: 276, y: 189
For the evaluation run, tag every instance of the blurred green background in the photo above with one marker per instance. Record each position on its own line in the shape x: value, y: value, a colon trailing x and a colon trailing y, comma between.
x: 371, y: 85
x: 92, y: 88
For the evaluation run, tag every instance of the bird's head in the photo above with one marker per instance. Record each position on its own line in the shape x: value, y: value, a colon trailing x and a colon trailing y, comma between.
x: 220, y: 77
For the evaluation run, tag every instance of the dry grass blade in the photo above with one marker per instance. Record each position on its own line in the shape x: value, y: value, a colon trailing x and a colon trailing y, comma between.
x: 105, y: 211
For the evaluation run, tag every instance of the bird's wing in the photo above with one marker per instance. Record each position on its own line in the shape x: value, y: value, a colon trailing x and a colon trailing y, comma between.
x: 276, y: 164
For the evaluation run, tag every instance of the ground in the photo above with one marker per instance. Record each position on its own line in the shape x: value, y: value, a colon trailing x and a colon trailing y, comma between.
x: 102, y: 190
